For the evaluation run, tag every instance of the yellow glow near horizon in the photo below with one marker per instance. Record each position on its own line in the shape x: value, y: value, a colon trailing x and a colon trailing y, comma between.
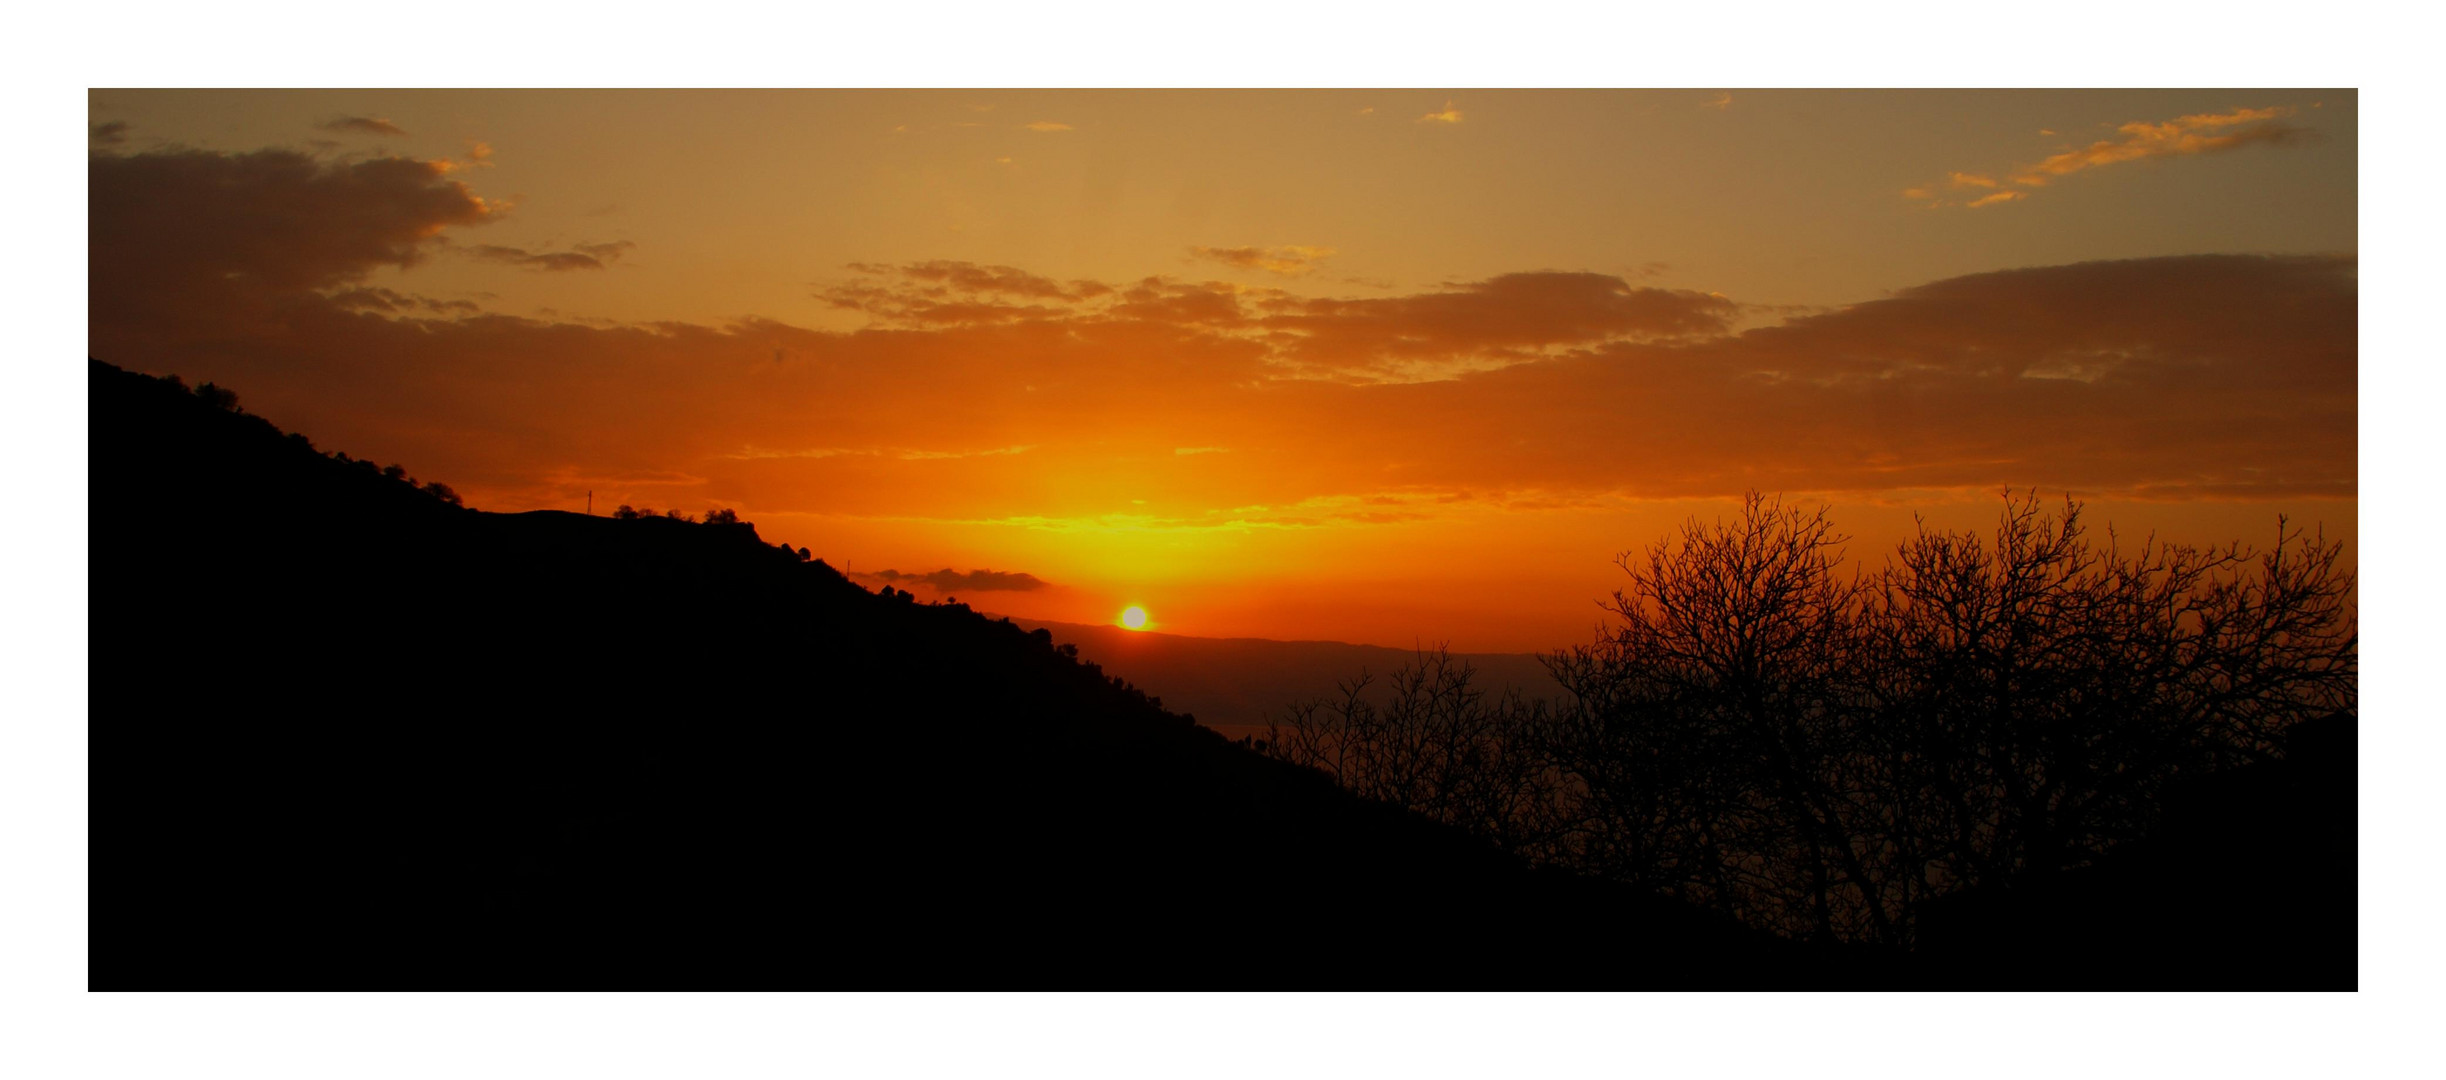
x: 1376, y: 366
x: 1134, y: 617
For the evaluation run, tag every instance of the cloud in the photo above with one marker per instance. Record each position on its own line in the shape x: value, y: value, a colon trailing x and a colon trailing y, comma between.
x: 2233, y: 376
x: 1047, y: 125
x: 1506, y: 319
x: 2199, y: 133
x: 112, y: 133
x: 1722, y: 101
x: 954, y: 455
x: 387, y: 301
x: 2225, y: 375
x: 943, y: 292
x: 949, y: 581
x: 210, y: 237
x: 972, y: 277
x: 479, y: 156
x: 581, y: 257
x: 1450, y: 115
x: 1290, y: 261
x: 754, y: 454
x: 363, y: 125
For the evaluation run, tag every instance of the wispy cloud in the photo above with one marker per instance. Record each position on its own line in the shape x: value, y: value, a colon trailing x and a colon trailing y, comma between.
x: 479, y: 156
x: 1048, y: 125
x: 1722, y: 101
x: 109, y: 134
x: 955, y: 455
x: 363, y: 125
x: 894, y: 454
x: 579, y: 257
x: 392, y: 302
x: 1450, y: 115
x: 2197, y: 133
x: 1290, y: 260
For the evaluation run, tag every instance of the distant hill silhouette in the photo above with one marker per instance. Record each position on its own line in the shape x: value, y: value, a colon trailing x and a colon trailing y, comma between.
x: 1239, y: 685
x: 347, y: 733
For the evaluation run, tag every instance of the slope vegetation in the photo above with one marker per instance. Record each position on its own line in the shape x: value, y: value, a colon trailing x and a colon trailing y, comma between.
x: 349, y: 733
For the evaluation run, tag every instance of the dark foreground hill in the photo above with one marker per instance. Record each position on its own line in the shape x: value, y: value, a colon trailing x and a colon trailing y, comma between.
x: 348, y: 734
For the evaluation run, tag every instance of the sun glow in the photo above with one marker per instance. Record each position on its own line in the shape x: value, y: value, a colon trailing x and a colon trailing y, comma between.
x: 1134, y: 617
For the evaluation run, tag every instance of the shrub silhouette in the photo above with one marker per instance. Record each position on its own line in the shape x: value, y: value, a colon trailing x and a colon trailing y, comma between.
x: 1822, y: 752
x: 712, y: 517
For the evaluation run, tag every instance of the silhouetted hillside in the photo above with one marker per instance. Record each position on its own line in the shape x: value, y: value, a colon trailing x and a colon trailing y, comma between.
x: 347, y: 733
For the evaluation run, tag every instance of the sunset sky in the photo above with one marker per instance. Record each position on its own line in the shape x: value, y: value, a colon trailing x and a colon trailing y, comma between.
x: 1390, y: 367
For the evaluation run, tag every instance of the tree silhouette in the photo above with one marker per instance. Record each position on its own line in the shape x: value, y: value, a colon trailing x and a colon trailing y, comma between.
x: 1823, y: 753
x: 2039, y: 692
x: 1440, y: 747
x: 1728, y: 668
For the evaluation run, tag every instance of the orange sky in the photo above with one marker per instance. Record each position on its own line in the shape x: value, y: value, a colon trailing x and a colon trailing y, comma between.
x: 1386, y: 367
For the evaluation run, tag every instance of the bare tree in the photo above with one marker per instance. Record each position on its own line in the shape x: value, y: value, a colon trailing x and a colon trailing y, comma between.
x: 1438, y: 746
x: 2037, y: 694
x: 1821, y: 752
x: 1713, y: 731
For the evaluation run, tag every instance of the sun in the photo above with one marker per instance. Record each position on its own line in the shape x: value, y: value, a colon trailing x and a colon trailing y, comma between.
x: 1134, y: 617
